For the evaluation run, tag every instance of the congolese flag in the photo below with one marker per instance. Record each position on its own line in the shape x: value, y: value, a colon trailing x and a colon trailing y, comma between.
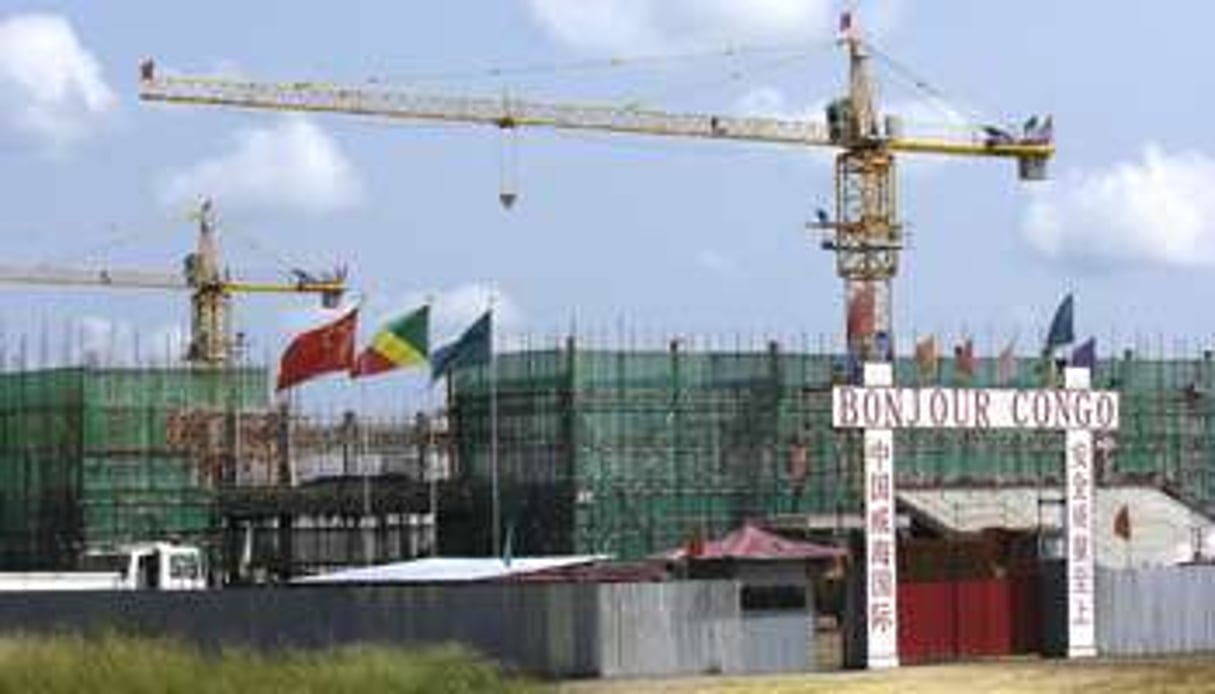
x: 399, y: 344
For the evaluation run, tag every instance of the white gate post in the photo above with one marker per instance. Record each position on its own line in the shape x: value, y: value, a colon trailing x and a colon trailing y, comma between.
x: 881, y: 565
x: 1080, y: 508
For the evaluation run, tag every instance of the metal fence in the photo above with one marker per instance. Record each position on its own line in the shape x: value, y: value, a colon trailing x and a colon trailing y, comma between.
x: 629, y: 451
x: 778, y: 641
x: 1153, y: 611
x: 687, y: 627
x: 665, y: 627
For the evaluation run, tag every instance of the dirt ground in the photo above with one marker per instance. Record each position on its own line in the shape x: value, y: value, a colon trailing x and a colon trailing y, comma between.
x: 1192, y: 674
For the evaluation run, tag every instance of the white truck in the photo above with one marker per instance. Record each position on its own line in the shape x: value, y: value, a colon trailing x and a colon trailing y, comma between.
x: 142, y: 566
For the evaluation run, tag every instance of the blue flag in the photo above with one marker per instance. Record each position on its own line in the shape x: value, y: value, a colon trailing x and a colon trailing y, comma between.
x: 1061, y: 332
x: 1085, y: 356
x: 473, y: 347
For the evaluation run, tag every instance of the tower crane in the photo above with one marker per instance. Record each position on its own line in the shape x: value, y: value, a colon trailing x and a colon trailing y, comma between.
x: 865, y: 233
x: 211, y: 288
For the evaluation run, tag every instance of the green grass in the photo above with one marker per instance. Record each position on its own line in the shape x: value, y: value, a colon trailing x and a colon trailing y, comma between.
x: 1180, y: 675
x: 57, y: 665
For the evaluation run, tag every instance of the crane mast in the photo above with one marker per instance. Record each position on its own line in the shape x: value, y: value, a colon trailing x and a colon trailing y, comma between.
x: 210, y: 302
x: 865, y: 233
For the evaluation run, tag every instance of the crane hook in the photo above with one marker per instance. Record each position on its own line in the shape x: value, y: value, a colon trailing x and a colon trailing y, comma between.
x: 508, y: 168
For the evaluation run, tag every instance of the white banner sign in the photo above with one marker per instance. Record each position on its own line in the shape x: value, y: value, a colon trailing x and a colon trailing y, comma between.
x: 1080, y: 508
x: 973, y: 408
x: 882, y: 567
x: 879, y: 408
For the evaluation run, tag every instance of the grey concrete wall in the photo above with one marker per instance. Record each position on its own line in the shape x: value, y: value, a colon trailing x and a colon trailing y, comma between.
x: 550, y: 629
x: 1151, y: 611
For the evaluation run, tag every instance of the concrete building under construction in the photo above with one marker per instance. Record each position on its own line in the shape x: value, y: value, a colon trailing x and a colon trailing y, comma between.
x: 634, y: 452
x: 623, y: 452
x: 91, y: 458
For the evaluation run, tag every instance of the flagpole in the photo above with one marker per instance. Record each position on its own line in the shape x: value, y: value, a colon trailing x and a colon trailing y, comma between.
x: 493, y: 439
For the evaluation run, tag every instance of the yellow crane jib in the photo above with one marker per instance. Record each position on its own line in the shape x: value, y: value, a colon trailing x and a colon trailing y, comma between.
x: 211, y: 289
x: 509, y: 112
x: 865, y: 233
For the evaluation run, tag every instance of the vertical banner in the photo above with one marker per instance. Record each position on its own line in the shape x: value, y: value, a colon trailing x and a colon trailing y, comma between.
x: 881, y: 566
x: 878, y: 409
x: 1080, y: 509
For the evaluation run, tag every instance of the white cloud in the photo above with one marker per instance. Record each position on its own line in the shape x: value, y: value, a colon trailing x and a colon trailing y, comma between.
x: 1155, y: 210
x: 454, y: 309
x: 51, y: 86
x: 616, y: 27
x: 292, y: 165
x: 919, y: 116
x: 103, y: 342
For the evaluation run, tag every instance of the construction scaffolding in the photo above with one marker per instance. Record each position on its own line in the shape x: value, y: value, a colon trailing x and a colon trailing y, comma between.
x: 95, y: 457
x: 634, y: 452
x: 626, y: 452
x: 88, y: 461
x: 333, y: 492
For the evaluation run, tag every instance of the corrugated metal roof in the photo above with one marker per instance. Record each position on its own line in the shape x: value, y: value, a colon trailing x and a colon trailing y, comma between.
x: 752, y: 543
x: 1162, y: 530
x: 451, y: 569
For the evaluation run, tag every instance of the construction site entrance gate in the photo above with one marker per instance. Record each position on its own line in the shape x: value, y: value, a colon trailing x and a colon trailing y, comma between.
x: 878, y: 408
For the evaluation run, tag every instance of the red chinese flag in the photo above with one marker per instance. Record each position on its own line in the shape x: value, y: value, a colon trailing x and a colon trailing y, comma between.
x: 319, y: 351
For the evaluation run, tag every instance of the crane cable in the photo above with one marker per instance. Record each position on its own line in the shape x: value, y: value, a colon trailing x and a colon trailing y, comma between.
x: 250, y: 241
x: 601, y: 64
x: 766, y: 68
x: 509, y: 144
x: 119, y: 238
x: 937, y: 98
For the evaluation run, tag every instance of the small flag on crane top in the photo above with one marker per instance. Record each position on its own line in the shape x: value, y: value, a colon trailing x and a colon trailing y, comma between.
x: 474, y: 346
x: 926, y: 357
x: 964, y: 359
x: 402, y: 343
x: 1006, y: 367
x: 319, y: 351
x: 862, y: 306
x: 1085, y: 356
x: 1061, y: 332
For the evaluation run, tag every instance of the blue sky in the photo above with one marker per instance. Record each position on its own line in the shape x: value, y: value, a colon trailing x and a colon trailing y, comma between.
x: 618, y: 235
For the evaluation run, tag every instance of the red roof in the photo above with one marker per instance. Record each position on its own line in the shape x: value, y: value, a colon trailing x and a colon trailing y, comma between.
x: 752, y: 543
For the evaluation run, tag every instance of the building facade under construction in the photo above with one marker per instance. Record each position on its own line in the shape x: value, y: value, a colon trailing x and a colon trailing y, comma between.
x: 623, y: 452
x: 92, y: 458
x: 634, y: 452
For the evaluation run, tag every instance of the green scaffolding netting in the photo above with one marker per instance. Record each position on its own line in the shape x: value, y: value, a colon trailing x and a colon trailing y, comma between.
x: 631, y: 453
x: 86, y: 459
